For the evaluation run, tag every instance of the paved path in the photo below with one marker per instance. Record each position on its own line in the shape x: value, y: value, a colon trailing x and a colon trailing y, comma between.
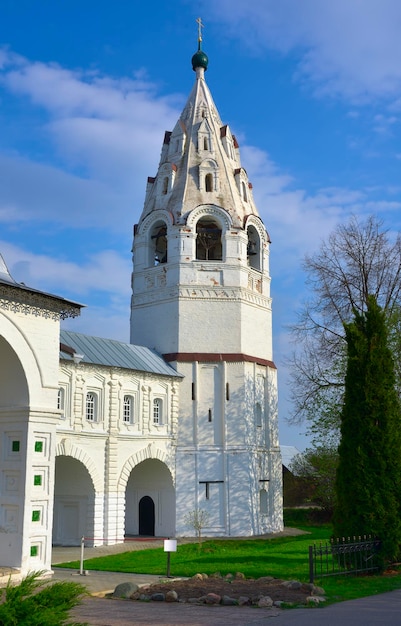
x: 373, y: 611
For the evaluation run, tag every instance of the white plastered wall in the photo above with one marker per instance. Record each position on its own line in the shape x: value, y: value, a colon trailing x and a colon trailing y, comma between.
x: 29, y: 339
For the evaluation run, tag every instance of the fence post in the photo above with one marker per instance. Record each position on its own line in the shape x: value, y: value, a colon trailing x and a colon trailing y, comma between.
x: 311, y: 567
x: 81, y: 566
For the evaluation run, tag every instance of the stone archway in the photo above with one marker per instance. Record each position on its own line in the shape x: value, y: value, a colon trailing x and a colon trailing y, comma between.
x: 74, y: 503
x: 150, y: 500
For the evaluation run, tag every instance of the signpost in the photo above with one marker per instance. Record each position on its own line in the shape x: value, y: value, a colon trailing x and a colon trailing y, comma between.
x: 170, y: 545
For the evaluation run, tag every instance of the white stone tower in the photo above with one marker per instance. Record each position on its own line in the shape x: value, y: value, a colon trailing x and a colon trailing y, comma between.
x: 201, y: 298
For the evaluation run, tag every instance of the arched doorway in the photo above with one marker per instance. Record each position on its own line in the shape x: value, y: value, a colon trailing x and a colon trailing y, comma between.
x: 74, y: 500
x: 146, y: 516
x: 150, y: 500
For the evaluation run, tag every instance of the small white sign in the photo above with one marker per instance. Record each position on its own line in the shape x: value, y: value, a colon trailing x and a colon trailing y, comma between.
x: 170, y: 545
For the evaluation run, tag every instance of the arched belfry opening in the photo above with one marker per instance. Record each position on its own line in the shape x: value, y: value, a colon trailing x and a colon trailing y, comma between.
x: 253, y: 250
x: 158, y: 244
x: 208, y: 240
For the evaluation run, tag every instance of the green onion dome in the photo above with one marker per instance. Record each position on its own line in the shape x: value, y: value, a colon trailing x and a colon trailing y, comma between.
x: 199, y: 60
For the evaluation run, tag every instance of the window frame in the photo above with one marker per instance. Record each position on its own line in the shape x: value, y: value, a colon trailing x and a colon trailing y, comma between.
x: 128, y: 417
x: 157, y: 408
x: 92, y: 410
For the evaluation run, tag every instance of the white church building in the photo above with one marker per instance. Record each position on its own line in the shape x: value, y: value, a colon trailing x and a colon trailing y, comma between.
x: 102, y: 439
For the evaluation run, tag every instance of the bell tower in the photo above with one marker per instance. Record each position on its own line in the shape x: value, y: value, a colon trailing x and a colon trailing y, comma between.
x: 201, y: 298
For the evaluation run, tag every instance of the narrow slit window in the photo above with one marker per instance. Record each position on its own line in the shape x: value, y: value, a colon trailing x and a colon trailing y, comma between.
x: 209, y: 182
x: 258, y: 412
x: 263, y: 501
x: 244, y: 194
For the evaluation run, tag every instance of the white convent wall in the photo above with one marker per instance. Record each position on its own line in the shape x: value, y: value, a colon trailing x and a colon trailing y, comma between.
x: 29, y: 349
x: 111, y: 451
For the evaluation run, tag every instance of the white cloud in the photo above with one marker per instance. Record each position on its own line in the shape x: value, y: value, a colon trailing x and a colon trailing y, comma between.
x: 32, y: 192
x: 349, y: 48
x: 102, y: 137
x: 105, y: 272
x: 297, y: 220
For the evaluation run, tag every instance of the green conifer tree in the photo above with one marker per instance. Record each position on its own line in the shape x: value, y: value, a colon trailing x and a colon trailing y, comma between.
x: 368, y: 481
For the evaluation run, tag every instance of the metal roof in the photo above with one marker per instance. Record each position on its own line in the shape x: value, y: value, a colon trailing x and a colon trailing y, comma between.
x: 288, y: 453
x: 112, y: 353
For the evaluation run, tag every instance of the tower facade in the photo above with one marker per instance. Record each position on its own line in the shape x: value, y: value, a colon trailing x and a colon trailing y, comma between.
x: 201, y: 298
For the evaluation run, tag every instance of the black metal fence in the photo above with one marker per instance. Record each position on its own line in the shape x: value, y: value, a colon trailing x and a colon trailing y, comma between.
x: 354, y: 555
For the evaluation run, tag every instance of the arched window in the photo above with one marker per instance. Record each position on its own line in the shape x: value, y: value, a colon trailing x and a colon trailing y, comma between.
x: 91, y: 407
x: 165, y: 185
x: 244, y: 194
x: 209, y: 182
x: 208, y: 240
x: 128, y: 410
x: 209, y: 174
x: 205, y: 144
x: 263, y: 502
x: 157, y: 411
x: 158, y: 244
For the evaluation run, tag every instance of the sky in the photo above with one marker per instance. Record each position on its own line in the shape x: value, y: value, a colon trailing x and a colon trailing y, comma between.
x: 311, y: 89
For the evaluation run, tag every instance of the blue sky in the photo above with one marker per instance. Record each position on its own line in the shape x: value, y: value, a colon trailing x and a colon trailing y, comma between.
x: 311, y: 89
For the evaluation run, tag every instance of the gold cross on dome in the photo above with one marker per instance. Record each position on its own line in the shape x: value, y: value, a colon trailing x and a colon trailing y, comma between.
x: 200, y: 26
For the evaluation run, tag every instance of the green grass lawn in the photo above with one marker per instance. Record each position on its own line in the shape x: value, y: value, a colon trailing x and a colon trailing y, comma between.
x: 282, y: 557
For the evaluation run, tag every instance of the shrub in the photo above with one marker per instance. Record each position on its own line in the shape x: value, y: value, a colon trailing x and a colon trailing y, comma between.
x: 35, y: 602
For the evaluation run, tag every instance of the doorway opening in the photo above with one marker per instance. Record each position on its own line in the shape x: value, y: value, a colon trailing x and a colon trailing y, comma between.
x: 147, y: 516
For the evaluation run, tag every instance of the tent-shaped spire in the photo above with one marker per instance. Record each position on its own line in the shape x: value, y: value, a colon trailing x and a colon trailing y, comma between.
x: 200, y: 161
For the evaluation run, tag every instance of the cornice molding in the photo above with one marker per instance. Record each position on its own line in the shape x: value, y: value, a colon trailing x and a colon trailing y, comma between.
x: 37, y: 304
x: 216, y: 357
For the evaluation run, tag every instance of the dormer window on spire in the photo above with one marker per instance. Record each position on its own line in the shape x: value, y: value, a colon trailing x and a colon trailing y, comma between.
x: 243, y: 185
x: 208, y: 176
x: 205, y: 138
x: 227, y: 141
x: 166, y: 178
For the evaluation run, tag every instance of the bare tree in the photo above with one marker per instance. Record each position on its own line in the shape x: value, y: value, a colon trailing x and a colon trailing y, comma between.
x: 358, y: 259
x: 197, y: 519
